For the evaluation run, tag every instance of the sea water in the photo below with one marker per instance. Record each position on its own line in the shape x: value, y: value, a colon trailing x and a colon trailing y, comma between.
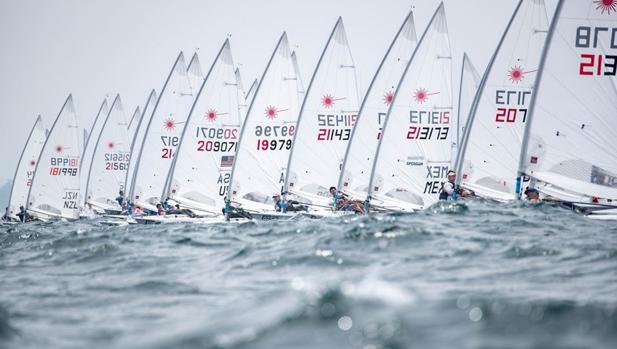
x: 479, y: 275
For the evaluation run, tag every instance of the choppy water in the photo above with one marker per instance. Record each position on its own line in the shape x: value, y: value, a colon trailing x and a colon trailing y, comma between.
x: 480, y: 276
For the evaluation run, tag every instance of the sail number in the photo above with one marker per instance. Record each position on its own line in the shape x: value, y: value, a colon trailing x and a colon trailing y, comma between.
x: 216, y: 146
x: 596, y: 64
x: 275, y: 131
x: 510, y: 114
x: 169, y: 141
x: 217, y: 133
x: 428, y: 133
x: 63, y: 171
x: 274, y: 144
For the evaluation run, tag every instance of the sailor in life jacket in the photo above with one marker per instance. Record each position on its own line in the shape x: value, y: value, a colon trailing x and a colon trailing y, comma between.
x: 448, y: 189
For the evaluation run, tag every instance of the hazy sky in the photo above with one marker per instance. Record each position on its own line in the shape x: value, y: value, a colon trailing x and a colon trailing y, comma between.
x: 93, y: 48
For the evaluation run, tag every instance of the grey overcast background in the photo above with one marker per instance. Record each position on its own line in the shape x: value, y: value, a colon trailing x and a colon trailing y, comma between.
x: 94, y: 48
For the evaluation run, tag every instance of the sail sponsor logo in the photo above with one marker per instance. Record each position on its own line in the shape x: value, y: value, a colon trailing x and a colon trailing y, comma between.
x: 435, y: 176
x: 512, y: 103
x: 63, y: 166
x: 597, y: 38
x: 212, y: 139
x: 428, y: 125
x: 388, y: 97
x: 335, y: 127
x: 275, y: 137
x: 117, y: 161
x: 70, y: 199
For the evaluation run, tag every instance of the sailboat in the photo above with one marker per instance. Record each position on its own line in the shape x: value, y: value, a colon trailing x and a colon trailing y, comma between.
x: 326, y: 119
x: 26, y: 165
x: 415, y: 148
x: 55, y: 191
x: 361, y: 150
x: 88, y: 149
x: 489, y: 155
x: 137, y: 139
x: 201, y: 171
x: 107, y: 171
x: 162, y: 137
x: 571, y: 134
x: 266, y: 138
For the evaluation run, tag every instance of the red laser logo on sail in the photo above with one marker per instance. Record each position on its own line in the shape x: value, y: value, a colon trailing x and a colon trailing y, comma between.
x: 271, y: 112
x: 388, y: 97
x: 110, y: 145
x: 58, y: 149
x: 606, y: 6
x: 211, y: 115
x: 327, y: 101
x: 516, y: 74
x: 420, y: 95
x: 32, y: 162
x: 170, y: 124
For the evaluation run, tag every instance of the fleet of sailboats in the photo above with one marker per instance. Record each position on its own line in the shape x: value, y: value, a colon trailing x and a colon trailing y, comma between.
x: 541, y: 117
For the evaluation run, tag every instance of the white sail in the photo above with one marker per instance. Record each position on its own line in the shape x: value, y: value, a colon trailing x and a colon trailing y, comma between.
x: 25, y: 167
x: 202, y: 168
x: 299, y: 83
x: 132, y: 128
x: 162, y: 136
x: 267, y: 134
x: 137, y: 140
x: 88, y: 148
x: 571, y: 134
x: 361, y: 149
x: 415, y: 148
x: 469, y: 83
x: 489, y: 157
x: 55, y: 185
x: 326, y: 119
x: 196, y: 75
x: 107, y: 171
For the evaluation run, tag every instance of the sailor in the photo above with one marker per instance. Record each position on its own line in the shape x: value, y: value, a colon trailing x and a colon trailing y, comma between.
x: 533, y: 195
x: 336, y: 195
x: 448, y: 189
x: 166, y: 205
x: 160, y: 211
x: 281, y: 205
x: 6, y: 216
x: 23, y: 215
x: 120, y: 198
